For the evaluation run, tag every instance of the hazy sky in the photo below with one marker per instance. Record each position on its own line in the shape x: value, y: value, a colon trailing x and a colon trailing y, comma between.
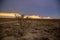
x: 31, y: 7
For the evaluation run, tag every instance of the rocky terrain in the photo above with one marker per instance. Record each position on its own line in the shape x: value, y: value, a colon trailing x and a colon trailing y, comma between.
x: 31, y: 29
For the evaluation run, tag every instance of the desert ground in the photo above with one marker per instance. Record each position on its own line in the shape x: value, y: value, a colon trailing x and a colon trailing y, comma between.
x: 29, y: 29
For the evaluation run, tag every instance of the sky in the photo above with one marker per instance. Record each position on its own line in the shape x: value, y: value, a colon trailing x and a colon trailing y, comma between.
x: 32, y: 7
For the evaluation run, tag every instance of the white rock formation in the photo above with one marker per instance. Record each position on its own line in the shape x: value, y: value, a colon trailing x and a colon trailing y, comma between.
x: 14, y: 15
x: 36, y: 17
x: 9, y: 15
